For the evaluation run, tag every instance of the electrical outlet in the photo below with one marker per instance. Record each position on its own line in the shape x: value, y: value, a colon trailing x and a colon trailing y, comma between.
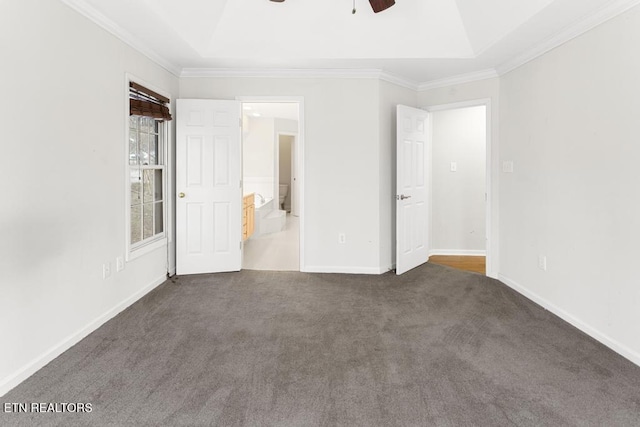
x: 119, y: 264
x: 507, y: 166
x: 454, y: 166
x: 542, y: 262
x: 342, y: 238
x: 106, y: 270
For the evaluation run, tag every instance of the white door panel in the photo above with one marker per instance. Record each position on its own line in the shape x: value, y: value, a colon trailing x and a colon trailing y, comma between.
x: 208, y: 175
x: 412, y: 200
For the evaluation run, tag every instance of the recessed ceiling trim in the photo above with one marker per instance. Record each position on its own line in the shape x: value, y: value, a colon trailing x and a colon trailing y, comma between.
x: 302, y: 73
x: 398, y: 81
x: 107, y: 24
x: 604, y: 14
x: 345, y: 73
x: 459, y: 79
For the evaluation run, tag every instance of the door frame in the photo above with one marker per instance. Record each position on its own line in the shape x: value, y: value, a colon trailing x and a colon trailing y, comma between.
x: 490, y: 246
x: 277, y: 162
x: 300, y: 160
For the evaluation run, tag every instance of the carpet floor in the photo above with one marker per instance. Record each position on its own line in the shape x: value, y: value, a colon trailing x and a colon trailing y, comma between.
x: 433, y: 347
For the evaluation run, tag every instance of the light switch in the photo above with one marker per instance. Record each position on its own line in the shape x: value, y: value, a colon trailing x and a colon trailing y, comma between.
x: 507, y: 166
x: 454, y: 166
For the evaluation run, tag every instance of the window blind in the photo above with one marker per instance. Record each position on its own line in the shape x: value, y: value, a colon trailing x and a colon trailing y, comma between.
x: 147, y: 103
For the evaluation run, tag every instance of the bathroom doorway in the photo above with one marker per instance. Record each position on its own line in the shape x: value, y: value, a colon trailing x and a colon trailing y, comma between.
x: 271, y: 144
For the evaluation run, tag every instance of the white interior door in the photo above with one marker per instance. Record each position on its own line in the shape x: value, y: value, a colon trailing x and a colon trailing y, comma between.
x: 208, y: 185
x: 412, y: 189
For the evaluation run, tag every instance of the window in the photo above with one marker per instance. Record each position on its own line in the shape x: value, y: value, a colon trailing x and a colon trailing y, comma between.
x: 146, y: 165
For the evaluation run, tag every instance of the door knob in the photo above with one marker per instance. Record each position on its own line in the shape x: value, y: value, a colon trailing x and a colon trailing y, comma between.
x: 402, y: 197
x: 181, y: 195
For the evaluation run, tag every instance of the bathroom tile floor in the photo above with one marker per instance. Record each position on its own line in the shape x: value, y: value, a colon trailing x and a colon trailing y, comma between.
x: 274, y: 251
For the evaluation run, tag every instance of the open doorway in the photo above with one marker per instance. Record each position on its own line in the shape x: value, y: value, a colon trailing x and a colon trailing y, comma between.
x: 271, y: 158
x: 459, y: 172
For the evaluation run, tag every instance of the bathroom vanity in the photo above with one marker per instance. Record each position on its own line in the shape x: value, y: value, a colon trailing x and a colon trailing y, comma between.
x: 248, y: 215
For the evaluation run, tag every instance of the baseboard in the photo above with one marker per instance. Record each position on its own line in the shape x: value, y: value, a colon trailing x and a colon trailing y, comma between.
x: 39, y: 362
x: 345, y: 270
x: 457, y: 252
x: 614, y: 345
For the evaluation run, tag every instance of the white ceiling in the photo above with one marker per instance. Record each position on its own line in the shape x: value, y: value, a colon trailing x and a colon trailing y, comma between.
x: 415, y: 41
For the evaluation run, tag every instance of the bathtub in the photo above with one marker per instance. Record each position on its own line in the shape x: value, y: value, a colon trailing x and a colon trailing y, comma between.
x: 268, y: 218
x: 262, y: 203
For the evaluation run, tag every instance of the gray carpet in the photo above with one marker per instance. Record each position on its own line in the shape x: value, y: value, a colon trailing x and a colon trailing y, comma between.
x: 434, y: 347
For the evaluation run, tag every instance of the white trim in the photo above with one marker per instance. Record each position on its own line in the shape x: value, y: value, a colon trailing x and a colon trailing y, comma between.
x: 305, y: 73
x: 346, y: 270
x: 308, y: 73
x: 39, y: 362
x: 603, y: 338
x: 459, y: 79
x: 300, y: 140
x: 491, y: 251
x: 458, y: 105
x: 457, y: 252
x: 398, y: 81
x: 145, y: 249
x: 607, y: 12
x: 123, y: 35
x: 277, y: 165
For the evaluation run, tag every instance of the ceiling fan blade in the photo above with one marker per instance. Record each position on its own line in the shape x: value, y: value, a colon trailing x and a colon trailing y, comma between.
x: 380, y: 5
x: 278, y: 1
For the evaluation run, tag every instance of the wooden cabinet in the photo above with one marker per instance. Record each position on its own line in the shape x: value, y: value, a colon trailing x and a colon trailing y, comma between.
x: 248, y: 216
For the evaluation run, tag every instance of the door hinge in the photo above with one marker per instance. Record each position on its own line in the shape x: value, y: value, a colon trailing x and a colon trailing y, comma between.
x: 240, y: 244
x: 240, y: 122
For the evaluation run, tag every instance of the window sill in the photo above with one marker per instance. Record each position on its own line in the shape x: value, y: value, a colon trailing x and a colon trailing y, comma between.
x: 139, y: 251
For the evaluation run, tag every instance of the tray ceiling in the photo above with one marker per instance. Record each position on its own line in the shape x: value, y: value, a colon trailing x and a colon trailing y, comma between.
x: 415, y: 40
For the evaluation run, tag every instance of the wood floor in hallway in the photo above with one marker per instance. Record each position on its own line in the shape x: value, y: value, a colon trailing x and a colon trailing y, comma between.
x: 475, y: 264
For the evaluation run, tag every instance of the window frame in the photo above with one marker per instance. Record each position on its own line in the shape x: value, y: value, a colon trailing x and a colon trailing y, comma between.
x: 162, y: 239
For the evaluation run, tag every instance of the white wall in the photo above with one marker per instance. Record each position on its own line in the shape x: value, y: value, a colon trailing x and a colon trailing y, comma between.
x: 458, y: 198
x: 390, y: 96
x: 258, y: 148
x: 258, y: 159
x: 569, y: 122
x: 63, y: 180
x: 258, y: 153
x: 488, y: 89
x: 341, y: 182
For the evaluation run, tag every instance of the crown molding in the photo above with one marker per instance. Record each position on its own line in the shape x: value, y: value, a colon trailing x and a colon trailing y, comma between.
x: 107, y: 24
x: 606, y: 13
x: 459, y: 79
x: 301, y: 73
x: 304, y: 73
x: 398, y: 81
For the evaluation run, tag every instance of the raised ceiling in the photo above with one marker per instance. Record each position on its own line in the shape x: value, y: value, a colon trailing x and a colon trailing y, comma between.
x: 416, y: 41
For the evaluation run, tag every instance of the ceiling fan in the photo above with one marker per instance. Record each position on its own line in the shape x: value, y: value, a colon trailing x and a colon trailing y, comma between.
x: 376, y: 5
